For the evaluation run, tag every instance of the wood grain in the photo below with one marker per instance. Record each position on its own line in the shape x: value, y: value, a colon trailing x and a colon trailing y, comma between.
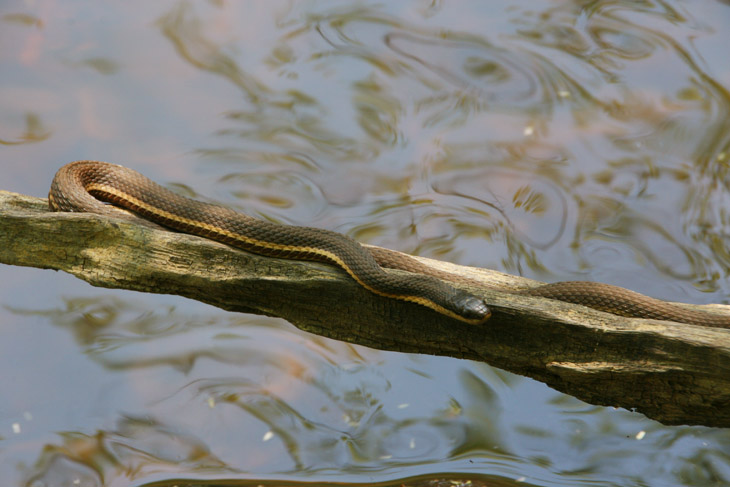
x: 671, y: 372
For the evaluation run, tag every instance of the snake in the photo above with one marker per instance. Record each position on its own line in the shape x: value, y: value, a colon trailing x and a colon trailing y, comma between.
x: 102, y: 188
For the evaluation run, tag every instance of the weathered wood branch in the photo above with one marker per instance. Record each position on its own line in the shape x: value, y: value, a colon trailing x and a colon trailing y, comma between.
x: 674, y: 373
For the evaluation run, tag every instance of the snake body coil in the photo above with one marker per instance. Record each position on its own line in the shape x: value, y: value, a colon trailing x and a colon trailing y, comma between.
x: 79, y: 186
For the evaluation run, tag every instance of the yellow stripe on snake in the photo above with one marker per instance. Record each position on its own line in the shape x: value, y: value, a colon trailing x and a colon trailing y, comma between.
x: 83, y: 186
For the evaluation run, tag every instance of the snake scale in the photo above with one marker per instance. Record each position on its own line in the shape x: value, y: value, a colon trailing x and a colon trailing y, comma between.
x: 85, y: 186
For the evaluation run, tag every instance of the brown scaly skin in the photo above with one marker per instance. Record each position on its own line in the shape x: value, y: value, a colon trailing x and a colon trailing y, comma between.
x: 79, y: 186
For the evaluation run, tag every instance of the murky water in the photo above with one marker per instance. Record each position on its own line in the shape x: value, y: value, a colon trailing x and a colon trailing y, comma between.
x: 556, y: 140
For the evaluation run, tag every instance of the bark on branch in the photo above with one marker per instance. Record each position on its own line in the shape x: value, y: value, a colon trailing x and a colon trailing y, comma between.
x: 671, y: 372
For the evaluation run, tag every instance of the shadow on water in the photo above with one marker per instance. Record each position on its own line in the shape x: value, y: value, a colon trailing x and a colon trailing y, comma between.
x: 443, y: 480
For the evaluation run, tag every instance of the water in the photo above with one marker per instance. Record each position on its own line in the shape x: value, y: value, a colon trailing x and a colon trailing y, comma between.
x: 555, y: 140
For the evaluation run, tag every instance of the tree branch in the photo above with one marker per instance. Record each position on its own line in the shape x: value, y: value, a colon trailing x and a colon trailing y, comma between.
x: 672, y: 372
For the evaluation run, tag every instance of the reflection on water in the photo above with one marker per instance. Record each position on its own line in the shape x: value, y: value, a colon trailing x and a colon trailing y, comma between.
x: 320, y: 403
x: 543, y: 103
x: 565, y: 140
x: 34, y: 131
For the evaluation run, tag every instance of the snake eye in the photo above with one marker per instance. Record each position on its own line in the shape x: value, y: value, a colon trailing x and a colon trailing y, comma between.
x: 472, y: 308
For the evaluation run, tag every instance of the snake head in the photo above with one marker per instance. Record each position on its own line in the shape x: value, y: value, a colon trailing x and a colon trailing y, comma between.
x: 472, y: 309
